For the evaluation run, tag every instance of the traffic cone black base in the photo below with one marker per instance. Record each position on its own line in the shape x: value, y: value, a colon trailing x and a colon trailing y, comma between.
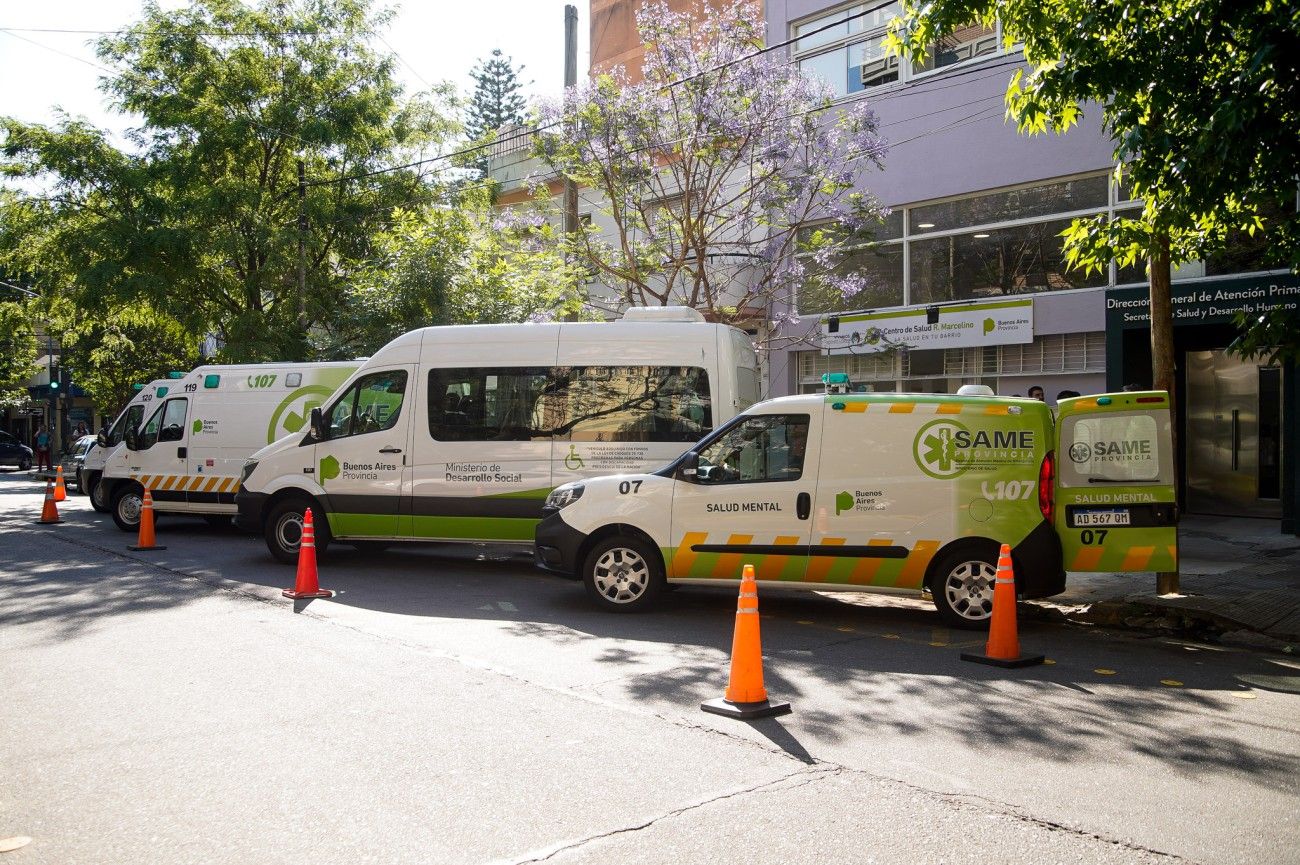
x: 145, y: 549
x: 745, y: 711
x: 49, y: 522
x: 1009, y: 663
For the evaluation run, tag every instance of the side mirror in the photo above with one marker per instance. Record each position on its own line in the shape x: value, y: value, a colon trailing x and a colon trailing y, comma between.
x: 132, y: 437
x: 318, y: 425
x: 102, y: 438
x: 689, y: 468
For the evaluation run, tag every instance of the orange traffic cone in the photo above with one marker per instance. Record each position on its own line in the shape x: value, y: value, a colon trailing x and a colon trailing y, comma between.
x: 746, y: 697
x: 60, y: 491
x: 306, y: 585
x: 50, y: 512
x: 145, y: 540
x: 1003, y: 647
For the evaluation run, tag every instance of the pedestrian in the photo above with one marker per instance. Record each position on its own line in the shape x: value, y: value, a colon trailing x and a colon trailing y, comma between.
x: 81, y: 429
x: 1066, y: 394
x: 42, y: 442
x: 1036, y: 392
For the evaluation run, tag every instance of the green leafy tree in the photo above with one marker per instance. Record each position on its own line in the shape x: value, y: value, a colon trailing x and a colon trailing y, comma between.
x: 256, y: 180
x: 17, y: 353
x: 497, y: 99
x: 134, y: 344
x: 458, y: 263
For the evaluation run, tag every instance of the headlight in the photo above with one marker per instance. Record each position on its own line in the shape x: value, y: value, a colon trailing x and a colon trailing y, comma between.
x: 249, y: 466
x: 563, y: 496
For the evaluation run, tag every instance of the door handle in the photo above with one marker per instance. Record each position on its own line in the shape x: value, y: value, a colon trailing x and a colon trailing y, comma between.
x: 390, y: 450
x: 1236, y: 438
x: 182, y: 453
x: 803, y: 506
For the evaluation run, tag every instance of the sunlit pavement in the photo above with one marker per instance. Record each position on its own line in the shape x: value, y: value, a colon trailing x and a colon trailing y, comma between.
x: 453, y: 704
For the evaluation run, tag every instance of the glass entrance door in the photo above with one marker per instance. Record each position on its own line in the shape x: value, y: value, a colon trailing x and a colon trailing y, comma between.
x: 1233, y: 435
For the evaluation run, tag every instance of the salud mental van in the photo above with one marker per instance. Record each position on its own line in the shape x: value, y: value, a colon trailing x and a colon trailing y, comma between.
x: 901, y: 493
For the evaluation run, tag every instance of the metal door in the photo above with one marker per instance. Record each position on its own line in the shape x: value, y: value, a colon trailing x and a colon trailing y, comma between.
x: 1233, y: 436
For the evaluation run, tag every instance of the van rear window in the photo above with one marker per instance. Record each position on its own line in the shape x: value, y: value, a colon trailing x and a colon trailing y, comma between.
x: 1115, y: 448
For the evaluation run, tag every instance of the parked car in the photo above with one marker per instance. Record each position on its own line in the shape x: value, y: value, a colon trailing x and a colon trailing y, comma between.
x: 14, y: 453
x: 73, y: 462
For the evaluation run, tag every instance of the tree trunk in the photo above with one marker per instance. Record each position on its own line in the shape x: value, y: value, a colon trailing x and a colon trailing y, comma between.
x: 1162, y: 362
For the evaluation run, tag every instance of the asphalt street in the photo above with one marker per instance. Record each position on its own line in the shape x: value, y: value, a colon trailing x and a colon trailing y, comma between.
x: 452, y: 704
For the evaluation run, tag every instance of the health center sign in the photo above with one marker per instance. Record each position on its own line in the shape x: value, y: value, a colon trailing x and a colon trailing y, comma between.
x: 999, y: 322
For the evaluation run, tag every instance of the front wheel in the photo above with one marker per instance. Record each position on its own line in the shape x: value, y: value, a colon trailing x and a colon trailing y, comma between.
x: 963, y: 585
x: 624, y: 574
x: 128, y: 502
x: 284, y: 530
x: 98, y: 500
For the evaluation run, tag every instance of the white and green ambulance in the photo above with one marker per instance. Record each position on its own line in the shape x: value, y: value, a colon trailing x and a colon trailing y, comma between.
x: 92, y: 467
x: 459, y: 433
x: 899, y: 493
x: 195, y: 432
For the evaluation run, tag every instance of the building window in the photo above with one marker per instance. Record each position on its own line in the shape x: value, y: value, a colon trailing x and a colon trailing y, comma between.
x: 844, y: 48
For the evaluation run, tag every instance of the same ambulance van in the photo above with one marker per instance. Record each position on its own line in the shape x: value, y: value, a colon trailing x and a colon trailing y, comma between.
x: 459, y: 433
x: 195, y: 432
x: 896, y: 493
x: 92, y: 468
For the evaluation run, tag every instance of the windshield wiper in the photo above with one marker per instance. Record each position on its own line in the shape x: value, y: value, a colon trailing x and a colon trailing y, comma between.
x: 1122, y: 480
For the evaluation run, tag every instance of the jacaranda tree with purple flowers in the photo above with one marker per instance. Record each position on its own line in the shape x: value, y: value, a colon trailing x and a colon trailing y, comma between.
x: 715, y: 170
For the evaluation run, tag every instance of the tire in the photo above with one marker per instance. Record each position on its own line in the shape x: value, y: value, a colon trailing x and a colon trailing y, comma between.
x: 98, y: 501
x: 24, y: 465
x: 624, y: 574
x: 77, y: 486
x: 962, y: 584
x: 128, y: 500
x: 283, y: 530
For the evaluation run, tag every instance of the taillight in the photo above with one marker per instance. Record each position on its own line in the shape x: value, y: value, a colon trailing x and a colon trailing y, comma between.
x: 1047, y: 486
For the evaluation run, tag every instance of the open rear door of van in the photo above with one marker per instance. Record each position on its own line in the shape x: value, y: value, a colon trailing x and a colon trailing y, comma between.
x: 1116, y: 509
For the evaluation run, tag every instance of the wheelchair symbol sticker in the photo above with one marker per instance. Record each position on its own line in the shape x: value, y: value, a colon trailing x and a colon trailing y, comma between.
x: 573, y: 462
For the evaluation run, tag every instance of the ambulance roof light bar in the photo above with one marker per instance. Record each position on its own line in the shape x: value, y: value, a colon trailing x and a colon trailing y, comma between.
x: 836, y: 382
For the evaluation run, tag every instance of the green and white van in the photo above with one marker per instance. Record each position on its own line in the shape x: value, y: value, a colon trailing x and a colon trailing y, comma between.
x: 898, y: 493
x: 459, y: 433
x: 195, y: 432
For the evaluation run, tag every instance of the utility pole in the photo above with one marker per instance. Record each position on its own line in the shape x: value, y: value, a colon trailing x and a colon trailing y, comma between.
x: 570, y: 80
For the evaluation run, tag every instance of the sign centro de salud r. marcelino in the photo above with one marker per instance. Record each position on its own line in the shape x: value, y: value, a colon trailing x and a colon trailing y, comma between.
x: 957, y: 325
x: 1204, y: 301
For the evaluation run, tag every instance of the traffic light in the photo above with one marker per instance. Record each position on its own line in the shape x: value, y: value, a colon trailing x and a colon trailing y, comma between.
x: 56, y: 376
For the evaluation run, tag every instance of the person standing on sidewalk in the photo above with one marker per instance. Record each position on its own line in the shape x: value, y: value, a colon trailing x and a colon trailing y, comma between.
x: 42, y: 443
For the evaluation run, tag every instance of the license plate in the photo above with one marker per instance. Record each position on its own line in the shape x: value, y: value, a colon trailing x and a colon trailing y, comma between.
x: 1101, y: 518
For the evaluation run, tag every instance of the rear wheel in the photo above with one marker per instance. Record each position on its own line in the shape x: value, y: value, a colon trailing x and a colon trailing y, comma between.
x: 962, y: 585
x: 98, y: 500
x: 624, y: 574
x: 24, y: 464
x: 284, y: 530
x: 128, y: 502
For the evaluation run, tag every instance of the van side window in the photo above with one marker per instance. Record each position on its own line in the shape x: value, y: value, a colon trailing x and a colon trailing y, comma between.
x: 491, y: 404
x: 758, y: 448
x: 634, y: 403
x: 372, y: 404
x: 571, y: 403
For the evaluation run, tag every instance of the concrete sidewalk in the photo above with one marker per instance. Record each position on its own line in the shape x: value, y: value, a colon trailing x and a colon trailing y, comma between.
x: 1237, y: 575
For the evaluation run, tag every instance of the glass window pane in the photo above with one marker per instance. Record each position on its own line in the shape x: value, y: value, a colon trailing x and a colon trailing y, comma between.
x: 759, y: 448
x: 1061, y: 197
x: 870, y: 66
x: 830, y: 34
x: 1027, y: 258
x: 1124, y: 446
x: 1246, y: 253
x: 149, y: 433
x: 492, y: 404
x: 829, y: 67
x: 634, y: 403
x: 881, y: 265
x: 379, y: 402
x: 966, y: 43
